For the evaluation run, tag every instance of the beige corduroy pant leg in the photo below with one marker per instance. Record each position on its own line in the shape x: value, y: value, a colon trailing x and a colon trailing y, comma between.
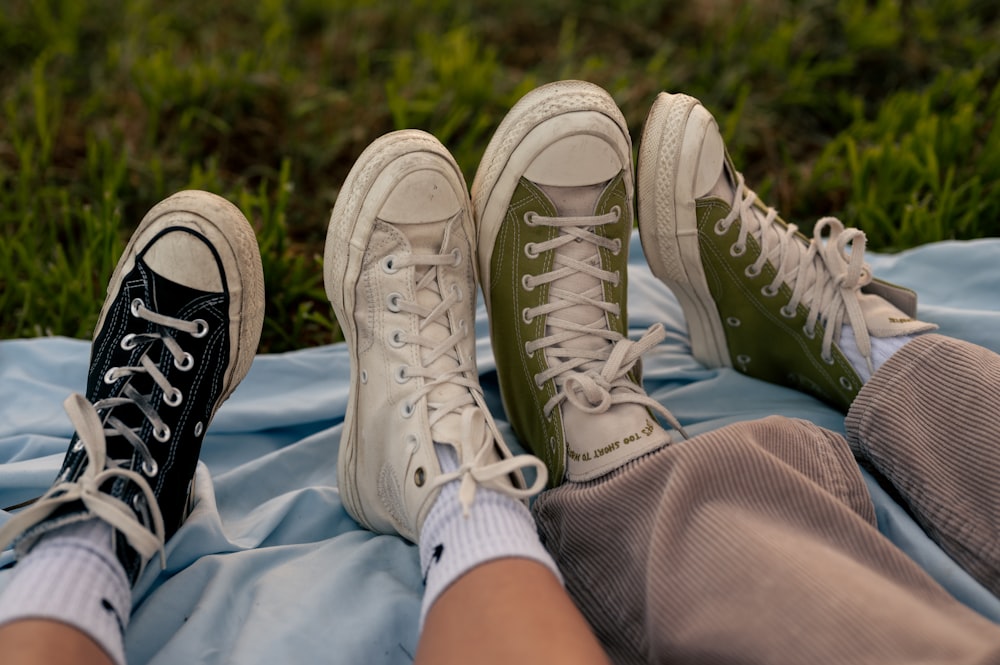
x: 756, y: 543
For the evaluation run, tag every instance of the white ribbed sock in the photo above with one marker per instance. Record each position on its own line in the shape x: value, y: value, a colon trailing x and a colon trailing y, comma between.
x: 72, y: 575
x: 452, y: 544
x: 882, y: 350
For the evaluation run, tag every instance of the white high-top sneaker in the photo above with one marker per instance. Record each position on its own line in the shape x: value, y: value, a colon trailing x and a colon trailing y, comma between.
x: 400, y: 275
x: 553, y: 198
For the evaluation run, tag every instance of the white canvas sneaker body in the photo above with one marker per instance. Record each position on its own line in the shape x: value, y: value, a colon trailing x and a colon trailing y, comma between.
x: 400, y: 276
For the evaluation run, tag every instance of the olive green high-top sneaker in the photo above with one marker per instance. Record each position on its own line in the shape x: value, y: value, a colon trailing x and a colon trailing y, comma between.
x: 757, y: 294
x: 553, y: 199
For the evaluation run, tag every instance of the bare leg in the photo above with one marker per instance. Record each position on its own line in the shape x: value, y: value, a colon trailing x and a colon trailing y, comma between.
x: 507, y: 611
x: 47, y: 642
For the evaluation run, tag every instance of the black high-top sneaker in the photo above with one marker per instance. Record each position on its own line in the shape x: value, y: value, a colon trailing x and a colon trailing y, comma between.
x: 177, y: 333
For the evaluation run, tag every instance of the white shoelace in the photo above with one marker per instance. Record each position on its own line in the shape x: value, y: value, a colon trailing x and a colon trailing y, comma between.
x: 468, y: 403
x: 592, y: 379
x: 823, y: 275
x: 92, y: 436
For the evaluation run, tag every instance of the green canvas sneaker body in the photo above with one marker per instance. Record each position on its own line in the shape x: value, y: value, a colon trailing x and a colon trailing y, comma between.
x: 553, y: 199
x: 757, y: 294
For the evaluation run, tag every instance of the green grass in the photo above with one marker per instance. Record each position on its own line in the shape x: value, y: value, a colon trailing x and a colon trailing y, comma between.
x: 881, y: 112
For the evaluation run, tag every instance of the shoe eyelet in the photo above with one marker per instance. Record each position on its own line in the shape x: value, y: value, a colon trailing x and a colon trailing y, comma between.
x: 526, y: 283
x: 388, y: 264
x: 617, y: 248
x: 161, y: 435
x: 846, y: 384
x: 457, y: 254
x: 525, y: 316
x: 769, y: 291
x: 407, y: 409
x: 199, y: 427
x: 400, y: 374
x: 128, y: 342
x: 809, y: 332
x: 392, y: 301
x: 617, y: 212
x: 202, y: 328
x: 150, y: 470
x: 743, y: 360
x: 617, y: 279
x: 737, y: 250
x: 364, y: 376
x: 419, y: 476
x: 173, y: 398
x: 788, y: 312
x: 110, y: 376
x: 829, y: 360
x: 733, y: 322
x: 719, y: 229
x: 457, y: 290
x: 529, y: 218
x: 752, y: 272
x: 135, y: 305
x: 529, y: 250
x: 78, y: 446
x: 538, y: 383
x: 186, y: 362
x: 396, y: 339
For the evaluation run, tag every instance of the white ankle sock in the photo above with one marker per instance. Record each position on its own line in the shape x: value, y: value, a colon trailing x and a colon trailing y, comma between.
x: 451, y: 544
x: 72, y: 575
x: 882, y: 350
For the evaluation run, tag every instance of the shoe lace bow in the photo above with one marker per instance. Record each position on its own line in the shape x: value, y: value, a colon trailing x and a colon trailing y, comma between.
x: 824, y: 276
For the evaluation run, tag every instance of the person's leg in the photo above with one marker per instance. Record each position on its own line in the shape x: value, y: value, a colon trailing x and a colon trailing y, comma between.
x: 507, y: 611
x: 176, y: 335
x: 754, y: 543
x: 48, y: 642
x: 763, y: 298
x: 928, y: 422
x: 420, y: 455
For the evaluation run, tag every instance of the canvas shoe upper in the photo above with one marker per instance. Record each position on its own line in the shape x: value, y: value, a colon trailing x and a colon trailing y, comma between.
x: 176, y: 335
x: 400, y: 275
x: 757, y: 294
x: 553, y: 199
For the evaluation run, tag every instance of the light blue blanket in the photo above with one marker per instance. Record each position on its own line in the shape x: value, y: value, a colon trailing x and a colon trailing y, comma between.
x: 270, y: 569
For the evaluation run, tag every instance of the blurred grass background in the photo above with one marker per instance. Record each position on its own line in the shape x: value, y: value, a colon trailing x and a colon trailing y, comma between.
x: 882, y: 112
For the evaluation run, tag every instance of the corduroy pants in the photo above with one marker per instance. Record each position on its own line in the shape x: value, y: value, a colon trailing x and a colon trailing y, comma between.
x: 756, y: 542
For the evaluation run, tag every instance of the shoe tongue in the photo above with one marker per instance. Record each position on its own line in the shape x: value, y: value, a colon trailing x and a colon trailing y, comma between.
x: 597, y: 443
x: 433, y: 238
x: 172, y: 298
x: 885, y: 320
x: 578, y: 202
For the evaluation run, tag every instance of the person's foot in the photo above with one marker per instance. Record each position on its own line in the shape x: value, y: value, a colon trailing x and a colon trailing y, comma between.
x: 399, y: 272
x: 177, y: 334
x: 757, y: 294
x: 553, y: 199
